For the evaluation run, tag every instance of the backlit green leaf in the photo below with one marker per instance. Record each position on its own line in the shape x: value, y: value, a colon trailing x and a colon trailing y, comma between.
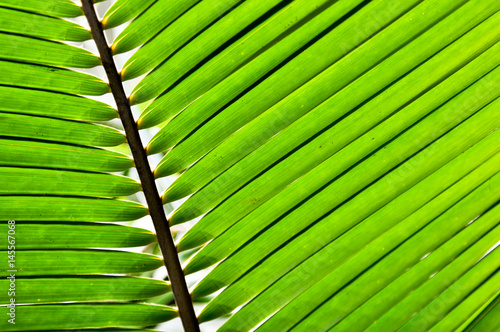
x: 35, y: 181
x: 50, y: 78
x: 123, y: 10
x: 79, y: 262
x: 51, y: 317
x: 17, y: 21
x: 51, y: 155
x: 59, y: 105
x: 317, y: 90
x: 58, y: 8
x: 44, y: 52
x: 50, y: 129
x: 41, y: 208
x: 173, y: 36
x: 71, y: 235
x: 53, y: 290
x: 181, y: 95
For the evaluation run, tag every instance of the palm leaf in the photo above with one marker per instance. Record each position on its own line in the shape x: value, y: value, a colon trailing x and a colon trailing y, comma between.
x: 54, y: 177
x: 342, y: 159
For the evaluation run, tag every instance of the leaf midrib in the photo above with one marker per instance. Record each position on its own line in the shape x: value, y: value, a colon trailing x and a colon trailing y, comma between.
x: 156, y: 211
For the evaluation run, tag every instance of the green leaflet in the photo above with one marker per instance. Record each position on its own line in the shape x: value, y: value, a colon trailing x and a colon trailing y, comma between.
x: 29, y: 24
x: 224, y: 63
x: 112, y: 330
x: 54, y: 182
x: 452, y: 259
x: 200, y: 47
x: 466, y: 308
x: 488, y: 320
x: 76, y: 236
x: 122, y: 11
x: 56, y: 105
x: 265, y: 187
x: 150, y: 23
x: 439, y: 231
x: 347, y: 216
x: 411, y: 284
x: 53, y: 290
x: 347, y: 153
x: 414, y: 285
x: 419, y: 202
x: 34, y: 181
x: 418, y: 205
x: 315, y: 91
x: 332, y: 195
x: 57, y: 8
x: 51, y: 317
x: 51, y: 155
x: 45, y: 52
x: 281, y: 82
x: 444, y: 283
x: 50, y: 78
x: 422, y: 78
x: 41, y: 208
x: 174, y: 36
x: 79, y: 262
x: 50, y: 129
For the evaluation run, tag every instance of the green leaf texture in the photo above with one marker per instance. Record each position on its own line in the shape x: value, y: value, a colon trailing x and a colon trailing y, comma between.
x: 339, y: 163
x: 63, y: 185
x: 327, y: 148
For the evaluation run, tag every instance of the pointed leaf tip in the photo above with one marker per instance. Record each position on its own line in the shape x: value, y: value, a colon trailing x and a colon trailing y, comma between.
x: 167, y: 167
x: 136, y: 96
x: 177, y: 191
x: 129, y: 69
x: 198, y: 263
x: 212, y: 312
x: 161, y: 141
x: 193, y: 240
x: 182, y: 215
x: 132, y: 98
